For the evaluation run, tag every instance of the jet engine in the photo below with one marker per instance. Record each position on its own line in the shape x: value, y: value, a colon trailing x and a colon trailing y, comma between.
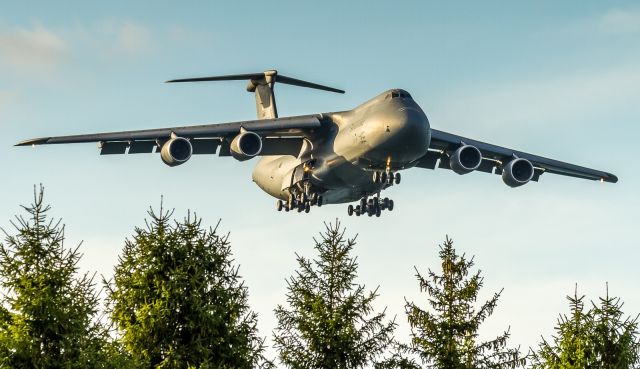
x: 246, y: 145
x: 465, y: 159
x: 517, y: 172
x: 176, y: 151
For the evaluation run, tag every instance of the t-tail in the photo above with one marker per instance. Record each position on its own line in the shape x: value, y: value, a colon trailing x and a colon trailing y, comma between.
x: 262, y: 85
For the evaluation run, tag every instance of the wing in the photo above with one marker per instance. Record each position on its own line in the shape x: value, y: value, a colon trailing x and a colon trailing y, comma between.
x: 282, y: 136
x: 443, y: 143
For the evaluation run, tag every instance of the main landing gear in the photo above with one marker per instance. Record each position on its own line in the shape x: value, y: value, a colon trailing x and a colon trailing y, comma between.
x: 371, y: 207
x: 301, y: 202
x: 386, y: 177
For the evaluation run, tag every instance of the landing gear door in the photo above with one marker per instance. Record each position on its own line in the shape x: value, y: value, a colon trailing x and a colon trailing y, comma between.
x: 299, y: 174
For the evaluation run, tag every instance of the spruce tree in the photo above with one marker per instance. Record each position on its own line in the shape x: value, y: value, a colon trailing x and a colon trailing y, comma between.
x: 48, y: 317
x: 597, y: 338
x: 445, y: 334
x: 330, y: 321
x: 615, y: 338
x: 177, y: 299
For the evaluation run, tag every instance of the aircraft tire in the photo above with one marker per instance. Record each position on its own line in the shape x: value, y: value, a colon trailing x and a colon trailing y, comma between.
x: 319, y: 200
x: 385, y: 203
x: 307, y: 207
x: 397, y: 178
x: 383, y: 177
x: 390, y: 205
x: 279, y: 205
x: 350, y: 210
x: 358, y: 211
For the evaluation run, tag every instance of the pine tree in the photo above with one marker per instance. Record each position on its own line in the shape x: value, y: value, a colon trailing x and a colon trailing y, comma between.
x: 177, y: 299
x: 445, y: 335
x: 615, y: 339
x: 48, y: 317
x: 330, y: 321
x: 572, y: 346
x: 598, y: 338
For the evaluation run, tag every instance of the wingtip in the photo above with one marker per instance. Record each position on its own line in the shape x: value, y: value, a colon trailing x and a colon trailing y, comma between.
x: 33, y: 142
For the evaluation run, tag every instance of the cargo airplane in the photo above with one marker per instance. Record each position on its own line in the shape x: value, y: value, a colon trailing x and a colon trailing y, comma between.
x: 331, y: 158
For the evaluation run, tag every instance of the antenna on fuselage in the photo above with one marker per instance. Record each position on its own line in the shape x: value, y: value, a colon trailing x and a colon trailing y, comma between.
x: 262, y: 85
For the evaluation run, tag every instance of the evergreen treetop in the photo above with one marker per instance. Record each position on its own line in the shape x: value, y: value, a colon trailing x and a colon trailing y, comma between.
x: 330, y: 321
x: 48, y: 317
x: 445, y: 334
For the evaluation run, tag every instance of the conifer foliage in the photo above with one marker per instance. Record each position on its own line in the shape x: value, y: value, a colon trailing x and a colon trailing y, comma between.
x: 177, y: 299
x: 595, y: 338
x: 445, y: 334
x: 330, y: 321
x: 48, y: 312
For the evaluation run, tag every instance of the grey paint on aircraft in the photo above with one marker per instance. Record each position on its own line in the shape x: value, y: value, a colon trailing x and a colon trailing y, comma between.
x: 335, y: 156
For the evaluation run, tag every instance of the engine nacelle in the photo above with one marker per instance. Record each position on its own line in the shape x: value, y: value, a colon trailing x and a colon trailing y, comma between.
x: 246, y: 145
x: 176, y: 151
x: 465, y: 159
x: 517, y: 172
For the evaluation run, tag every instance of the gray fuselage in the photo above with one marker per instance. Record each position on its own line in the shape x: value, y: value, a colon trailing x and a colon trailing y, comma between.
x: 388, y: 132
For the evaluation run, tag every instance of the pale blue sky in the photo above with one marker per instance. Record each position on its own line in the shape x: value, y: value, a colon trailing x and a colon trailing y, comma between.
x: 560, y: 79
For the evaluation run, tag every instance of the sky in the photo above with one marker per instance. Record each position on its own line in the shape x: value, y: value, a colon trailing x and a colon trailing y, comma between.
x: 558, y: 79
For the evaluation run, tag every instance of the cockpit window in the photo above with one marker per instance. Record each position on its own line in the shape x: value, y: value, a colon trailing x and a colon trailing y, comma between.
x: 395, y: 95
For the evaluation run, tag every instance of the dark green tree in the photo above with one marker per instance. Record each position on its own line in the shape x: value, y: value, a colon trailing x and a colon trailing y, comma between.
x: 48, y: 317
x: 445, y: 335
x: 177, y: 300
x: 330, y: 321
x: 598, y: 338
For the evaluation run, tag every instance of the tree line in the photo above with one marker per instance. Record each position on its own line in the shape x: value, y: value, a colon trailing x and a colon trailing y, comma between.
x: 176, y: 300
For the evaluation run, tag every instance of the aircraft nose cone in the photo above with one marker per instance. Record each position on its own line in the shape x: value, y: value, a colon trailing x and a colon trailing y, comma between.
x: 405, y: 135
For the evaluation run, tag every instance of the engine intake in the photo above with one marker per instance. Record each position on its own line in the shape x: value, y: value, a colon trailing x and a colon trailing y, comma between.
x: 465, y: 159
x: 517, y: 172
x: 176, y: 151
x: 246, y: 145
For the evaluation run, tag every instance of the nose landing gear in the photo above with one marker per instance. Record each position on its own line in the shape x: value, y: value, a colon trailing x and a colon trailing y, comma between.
x: 373, y: 206
x: 387, y: 177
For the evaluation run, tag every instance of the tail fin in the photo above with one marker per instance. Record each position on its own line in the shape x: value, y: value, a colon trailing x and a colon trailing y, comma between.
x: 262, y: 85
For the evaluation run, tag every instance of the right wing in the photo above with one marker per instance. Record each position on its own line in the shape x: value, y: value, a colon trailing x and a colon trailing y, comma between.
x: 281, y: 136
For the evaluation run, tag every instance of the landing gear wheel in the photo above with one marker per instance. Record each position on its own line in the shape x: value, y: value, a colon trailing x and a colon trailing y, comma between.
x: 378, y: 211
x: 390, y: 205
x: 319, y: 201
x: 358, y: 211
x: 385, y: 203
x: 307, y: 207
x: 300, y: 207
x: 363, y: 204
x: 279, y: 205
x: 376, y: 177
x: 290, y: 203
x: 383, y: 177
x: 350, y: 210
x: 397, y: 178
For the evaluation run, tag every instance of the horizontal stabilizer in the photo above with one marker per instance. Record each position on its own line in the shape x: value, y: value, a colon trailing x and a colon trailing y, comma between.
x: 270, y: 75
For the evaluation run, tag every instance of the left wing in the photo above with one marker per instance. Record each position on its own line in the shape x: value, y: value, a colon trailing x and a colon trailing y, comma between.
x: 443, y: 144
x: 282, y: 136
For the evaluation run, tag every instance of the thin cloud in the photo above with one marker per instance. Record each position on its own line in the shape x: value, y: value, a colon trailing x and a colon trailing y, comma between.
x: 32, y: 49
x: 127, y: 38
x: 621, y: 21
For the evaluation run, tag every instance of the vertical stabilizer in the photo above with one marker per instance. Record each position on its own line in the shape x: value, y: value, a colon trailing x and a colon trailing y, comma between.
x: 265, y: 98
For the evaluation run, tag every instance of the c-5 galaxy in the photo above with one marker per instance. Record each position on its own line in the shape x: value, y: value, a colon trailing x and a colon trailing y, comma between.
x: 331, y: 158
